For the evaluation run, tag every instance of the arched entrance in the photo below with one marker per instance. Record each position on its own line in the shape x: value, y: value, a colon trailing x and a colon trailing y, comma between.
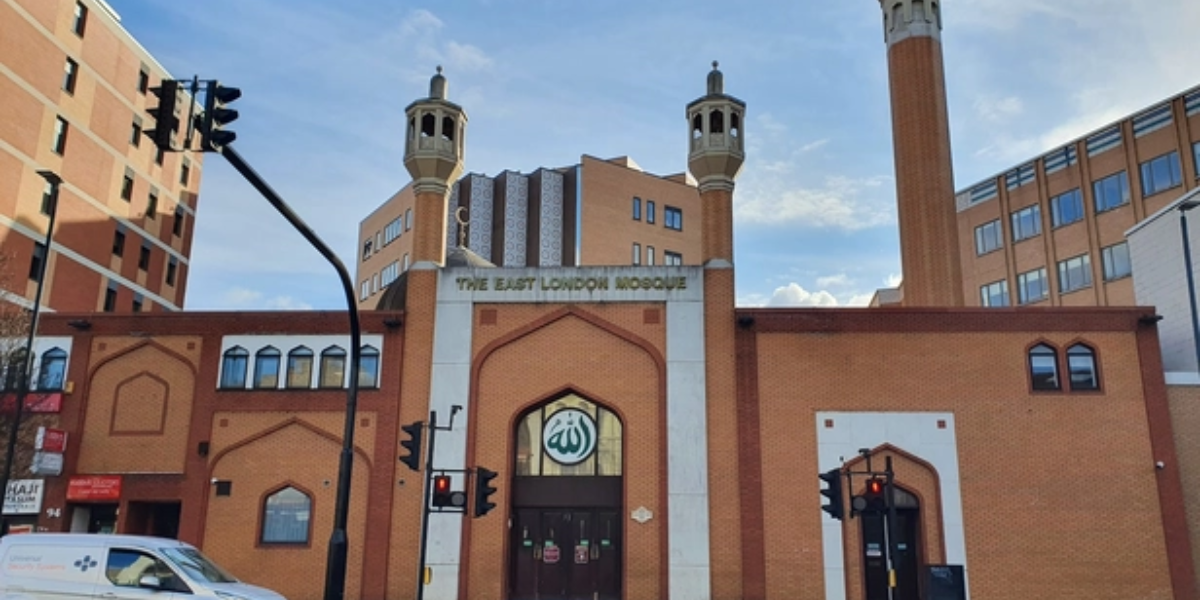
x: 873, y: 527
x: 566, y: 537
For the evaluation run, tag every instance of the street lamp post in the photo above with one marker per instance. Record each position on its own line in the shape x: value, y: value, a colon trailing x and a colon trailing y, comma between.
x: 23, y: 385
x: 1183, y: 208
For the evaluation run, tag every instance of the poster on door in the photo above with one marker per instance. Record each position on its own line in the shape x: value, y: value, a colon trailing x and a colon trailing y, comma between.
x: 581, y: 555
x: 550, y: 555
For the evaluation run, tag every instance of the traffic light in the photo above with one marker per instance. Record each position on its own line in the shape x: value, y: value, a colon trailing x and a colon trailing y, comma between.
x: 412, y: 445
x: 833, y: 491
x: 872, y: 498
x: 483, y: 490
x: 165, y: 121
x: 216, y: 116
x: 443, y: 497
x: 874, y: 488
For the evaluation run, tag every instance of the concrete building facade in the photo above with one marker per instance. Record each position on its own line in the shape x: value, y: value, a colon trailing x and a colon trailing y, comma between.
x: 74, y: 89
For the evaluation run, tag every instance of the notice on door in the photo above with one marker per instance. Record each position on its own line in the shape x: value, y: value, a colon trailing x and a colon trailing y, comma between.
x: 581, y: 555
x: 550, y: 555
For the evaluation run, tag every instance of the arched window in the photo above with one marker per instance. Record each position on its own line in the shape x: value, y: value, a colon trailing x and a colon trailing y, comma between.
x: 735, y: 124
x: 233, y: 367
x: 299, y: 368
x: 569, y: 436
x: 1043, y: 368
x: 448, y: 129
x: 1081, y: 363
x: 428, y: 123
x: 333, y: 367
x: 266, y: 368
x: 286, y: 516
x: 53, y: 370
x: 697, y: 126
x: 368, y: 367
x: 716, y: 122
x: 14, y: 369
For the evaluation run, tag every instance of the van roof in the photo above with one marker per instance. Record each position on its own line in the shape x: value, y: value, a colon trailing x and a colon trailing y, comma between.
x: 90, y: 539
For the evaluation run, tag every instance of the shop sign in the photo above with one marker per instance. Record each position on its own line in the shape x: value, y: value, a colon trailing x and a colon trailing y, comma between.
x: 51, y: 440
x: 50, y: 402
x: 94, y: 487
x: 24, y: 497
x: 569, y: 436
x: 46, y: 463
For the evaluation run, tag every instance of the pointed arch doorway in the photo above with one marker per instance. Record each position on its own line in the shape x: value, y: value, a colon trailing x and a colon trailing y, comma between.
x: 568, y: 489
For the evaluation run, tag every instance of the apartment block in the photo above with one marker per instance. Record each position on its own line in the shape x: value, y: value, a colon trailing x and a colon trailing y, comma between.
x: 595, y: 213
x: 74, y: 91
x: 1051, y: 231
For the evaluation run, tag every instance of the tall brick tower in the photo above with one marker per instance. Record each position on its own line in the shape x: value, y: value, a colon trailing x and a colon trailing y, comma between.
x: 716, y: 150
x: 929, y: 250
x: 433, y: 155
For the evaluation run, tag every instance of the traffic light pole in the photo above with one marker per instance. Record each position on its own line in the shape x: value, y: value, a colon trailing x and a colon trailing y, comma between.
x: 335, y: 567
x: 425, y: 504
x: 890, y: 498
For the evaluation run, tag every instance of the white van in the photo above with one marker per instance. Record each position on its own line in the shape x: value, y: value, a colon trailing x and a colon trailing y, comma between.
x: 58, y: 566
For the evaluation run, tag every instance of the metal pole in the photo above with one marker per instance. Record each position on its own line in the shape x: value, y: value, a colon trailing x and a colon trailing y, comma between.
x: 335, y: 567
x: 1191, y: 283
x: 23, y: 385
x: 890, y: 498
x: 425, y: 504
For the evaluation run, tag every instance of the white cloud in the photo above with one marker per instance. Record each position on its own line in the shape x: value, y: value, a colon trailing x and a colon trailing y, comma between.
x: 860, y: 299
x: 794, y: 295
x: 893, y: 280
x: 841, y: 202
x: 841, y: 279
x: 809, y: 147
x: 243, y: 298
x: 420, y: 22
x: 465, y: 57
x: 998, y: 109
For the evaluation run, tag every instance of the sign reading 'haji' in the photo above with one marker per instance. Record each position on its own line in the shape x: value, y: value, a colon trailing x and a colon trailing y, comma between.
x: 568, y: 284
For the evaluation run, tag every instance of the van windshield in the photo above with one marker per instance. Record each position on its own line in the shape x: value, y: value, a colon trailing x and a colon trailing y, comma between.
x: 197, y: 566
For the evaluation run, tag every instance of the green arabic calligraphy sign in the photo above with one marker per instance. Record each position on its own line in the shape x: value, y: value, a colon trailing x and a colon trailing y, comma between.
x: 569, y: 436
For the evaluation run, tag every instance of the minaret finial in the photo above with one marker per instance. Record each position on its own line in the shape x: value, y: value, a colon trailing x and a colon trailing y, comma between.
x: 437, y: 85
x: 715, y: 65
x: 716, y: 81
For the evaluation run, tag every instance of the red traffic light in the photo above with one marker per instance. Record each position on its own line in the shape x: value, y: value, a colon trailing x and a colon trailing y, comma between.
x: 441, y: 484
x: 874, y: 487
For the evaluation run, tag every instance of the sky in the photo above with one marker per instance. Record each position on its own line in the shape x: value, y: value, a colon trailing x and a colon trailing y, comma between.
x: 325, y: 85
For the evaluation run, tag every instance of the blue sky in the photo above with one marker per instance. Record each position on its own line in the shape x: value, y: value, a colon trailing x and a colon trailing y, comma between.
x: 325, y: 85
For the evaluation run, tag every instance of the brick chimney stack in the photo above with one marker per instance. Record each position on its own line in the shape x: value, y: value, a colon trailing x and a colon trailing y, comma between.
x: 929, y: 251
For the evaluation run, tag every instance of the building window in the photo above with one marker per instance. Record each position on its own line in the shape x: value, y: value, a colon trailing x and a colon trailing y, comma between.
x: 988, y: 238
x: 1074, y: 273
x: 266, y: 368
x: 14, y: 373
x: 1043, y: 367
x: 47, y: 195
x: 127, y: 187
x: 637, y: 253
x: 995, y: 293
x: 144, y: 256
x: 70, y: 74
x: 364, y: 290
x: 650, y: 212
x: 392, y: 231
x: 286, y: 517
x: 36, y: 261
x: 1020, y: 176
x: 1032, y: 286
x: 405, y: 263
x: 637, y: 208
x: 118, y: 247
x: 233, y: 367
x: 368, y: 367
x: 1161, y: 173
x: 152, y: 204
x: 1111, y: 192
x: 110, y: 297
x: 138, y: 301
x: 1027, y: 223
x: 650, y: 255
x: 375, y: 281
x: 185, y: 172
x: 408, y: 219
x: 135, y: 134
x: 1116, y: 261
x: 177, y: 224
x: 333, y: 367
x: 1196, y: 156
x: 80, y: 23
x: 60, y: 136
x: 1081, y: 362
x: 366, y: 250
x: 172, y: 266
x: 143, y: 82
x: 299, y: 368
x: 673, y: 259
x: 673, y: 218
x: 1066, y: 208
x: 53, y: 370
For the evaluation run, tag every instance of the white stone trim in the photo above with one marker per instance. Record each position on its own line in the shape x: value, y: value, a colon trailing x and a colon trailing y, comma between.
x: 916, y: 433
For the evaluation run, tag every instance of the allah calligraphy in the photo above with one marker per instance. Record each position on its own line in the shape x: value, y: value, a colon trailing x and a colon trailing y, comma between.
x: 569, y: 436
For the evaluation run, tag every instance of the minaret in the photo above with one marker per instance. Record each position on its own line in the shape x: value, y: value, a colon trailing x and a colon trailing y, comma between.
x: 929, y: 251
x: 715, y: 157
x: 716, y: 150
x: 433, y: 154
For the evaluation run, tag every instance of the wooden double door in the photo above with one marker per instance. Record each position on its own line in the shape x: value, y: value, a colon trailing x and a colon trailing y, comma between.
x: 566, y: 554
